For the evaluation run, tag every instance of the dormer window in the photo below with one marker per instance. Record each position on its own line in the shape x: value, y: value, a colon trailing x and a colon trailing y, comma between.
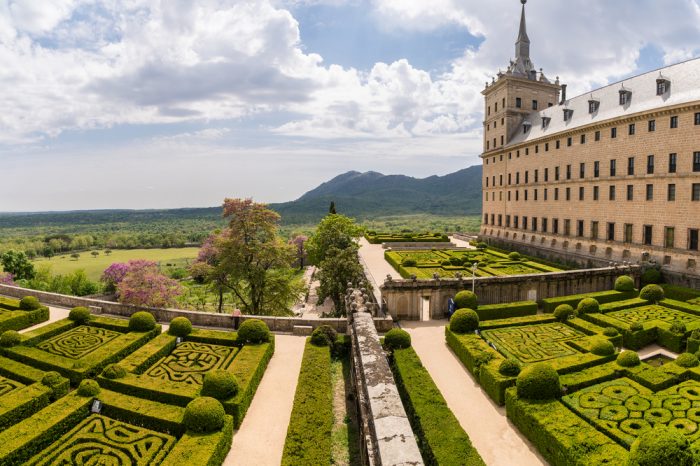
x: 545, y: 122
x: 593, y: 105
x: 568, y: 113
x: 625, y: 96
x: 663, y: 85
x: 526, y: 126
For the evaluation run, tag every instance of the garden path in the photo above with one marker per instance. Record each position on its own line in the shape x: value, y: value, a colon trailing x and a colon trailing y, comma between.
x: 260, y: 439
x: 373, y: 257
x: 55, y: 314
x: 496, y: 439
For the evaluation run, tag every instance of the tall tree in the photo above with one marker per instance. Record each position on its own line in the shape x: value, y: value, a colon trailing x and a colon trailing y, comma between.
x: 331, y: 209
x: 340, y: 267
x: 18, y: 264
x: 334, y: 231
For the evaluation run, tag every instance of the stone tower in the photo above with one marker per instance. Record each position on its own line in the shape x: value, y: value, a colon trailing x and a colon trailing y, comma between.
x: 513, y: 95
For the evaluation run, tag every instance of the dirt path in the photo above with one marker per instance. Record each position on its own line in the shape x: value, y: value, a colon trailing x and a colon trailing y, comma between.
x: 496, y: 439
x: 260, y: 440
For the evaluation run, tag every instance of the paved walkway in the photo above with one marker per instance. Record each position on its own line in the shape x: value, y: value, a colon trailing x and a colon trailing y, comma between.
x: 460, y: 243
x: 373, y: 256
x: 55, y: 313
x: 260, y: 439
x: 496, y: 439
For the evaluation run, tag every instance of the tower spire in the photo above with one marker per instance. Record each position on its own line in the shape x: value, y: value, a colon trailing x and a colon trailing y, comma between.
x: 523, y: 64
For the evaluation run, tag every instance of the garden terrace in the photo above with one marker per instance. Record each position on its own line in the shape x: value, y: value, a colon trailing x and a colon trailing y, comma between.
x: 172, y: 372
x: 78, y: 351
x: 128, y: 430
x: 378, y: 238
x: 446, y: 263
x: 14, y: 318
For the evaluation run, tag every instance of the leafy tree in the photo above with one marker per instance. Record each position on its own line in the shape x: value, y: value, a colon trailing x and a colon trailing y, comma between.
x: 298, y: 242
x: 144, y: 285
x: 206, y: 269
x: 331, y: 209
x: 95, y: 254
x: 108, y: 252
x: 75, y: 256
x: 340, y: 267
x: 17, y: 263
x: 334, y: 231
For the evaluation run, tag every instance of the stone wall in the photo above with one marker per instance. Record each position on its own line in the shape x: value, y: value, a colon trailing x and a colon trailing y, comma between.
x: 200, y: 319
x: 405, y: 298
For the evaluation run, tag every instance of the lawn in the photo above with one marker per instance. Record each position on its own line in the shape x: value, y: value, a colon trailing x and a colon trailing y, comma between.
x: 94, y: 266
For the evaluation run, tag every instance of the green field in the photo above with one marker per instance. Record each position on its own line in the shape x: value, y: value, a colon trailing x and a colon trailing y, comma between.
x: 94, y: 266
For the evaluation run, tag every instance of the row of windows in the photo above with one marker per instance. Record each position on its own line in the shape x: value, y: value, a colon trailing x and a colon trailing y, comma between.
x: 518, y: 104
x: 612, y: 193
x: 631, y: 130
x: 649, y: 170
x: 535, y: 224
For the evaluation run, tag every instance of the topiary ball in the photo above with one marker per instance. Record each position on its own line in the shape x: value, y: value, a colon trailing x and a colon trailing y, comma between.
x: 219, y: 384
x: 610, y: 332
x: 253, y: 331
x: 114, y: 371
x: 464, y: 321
x: 88, y: 388
x: 79, y: 314
x: 180, y: 327
x: 661, y: 446
x: 678, y: 327
x: 58, y: 385
x: 204, y: 415
x: 142, y: 321
x: 624, y: 283
x: 687, y: 360
x: 397, y: 338
x: 325, y: 335
x: 588, y: 306
x: 628, y: 359
x: 564, y: 312
x: 10, y: 338
x: 653, y: 293
x: 465, y: 300
x: 509, y: 367
x: 695, y: 335
x: 636, y: 327
x: 514, y: 256
x: 538, y: 382
x: 651, y: 276
x: 29, y: 303
x: 602, y: 347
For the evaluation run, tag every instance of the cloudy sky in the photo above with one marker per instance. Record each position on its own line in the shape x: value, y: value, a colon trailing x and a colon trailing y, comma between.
x: 147, y: 103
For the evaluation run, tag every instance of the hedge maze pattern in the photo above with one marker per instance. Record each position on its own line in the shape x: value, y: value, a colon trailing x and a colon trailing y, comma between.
x: 189, y: 361
x: 649, y: 313
x: 534, y: 343
x: 7, y: 385
x: 99, y: 440
x: 626, y: 410
x: 79, y: 341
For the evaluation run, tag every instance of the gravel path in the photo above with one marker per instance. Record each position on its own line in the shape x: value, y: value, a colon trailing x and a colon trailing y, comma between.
x: 496, y: 439
x: 260, y: 439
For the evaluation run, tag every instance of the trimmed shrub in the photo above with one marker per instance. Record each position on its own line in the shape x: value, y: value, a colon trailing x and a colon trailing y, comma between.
x: 538, y: 382
x: 661, y: 446
x: 588, y: 306
x: 114, y: 371
x: 509, y: 367
x: 464, y: 321
x: 10, y: 338
x: 204, y: 415
x: 253, y: 331
x: 56, y: 383
x: 602, y: 348
x: 653, y: 293
x: 219, y: 384
x: 29, y: 303
x: 79, y: 314
x: 506, y: 310
x: 325, y: 335
x: 695, y: 335
x: 678, y: 327
x: 446, y: 263
x: 456, y: 261
x: 628, y: 359
x: 142, y: 321
x: 466, y: 300
x: 397, y: 338
x: 88, y: 388
x: 514, y: 256
x: 624, y: 283
x: 687, y: 360
x: 651, y: 276
x: 636, y: 327
x: 409, y: 263
x: 610, y: 332
x: 180, y: 327
x: 564, y: 312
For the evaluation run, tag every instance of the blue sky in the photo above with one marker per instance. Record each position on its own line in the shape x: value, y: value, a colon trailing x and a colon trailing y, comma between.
x: 171, y: 103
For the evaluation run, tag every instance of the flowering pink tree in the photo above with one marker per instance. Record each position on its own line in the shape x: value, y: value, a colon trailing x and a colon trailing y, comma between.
x: 6, y: 278
x: 205, y: 269
x: 144, y: 285
x: 113, y: 275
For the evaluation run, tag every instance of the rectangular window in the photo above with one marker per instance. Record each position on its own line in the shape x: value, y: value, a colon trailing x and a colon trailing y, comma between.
x: 556, y: 194
x: 525, y: 193
x: 486, y: 219
x: 613, y: 133
x: 546, y: 175
x: 696, y: 161
x: 583, y: 139
x: 517, y: 195
x: 650, y: 164
x: 556, y: 173
x: 527, y: 177
x: 652, y: 126
x: 534, y: 194
x: 581, y: 193
x: 695, y: 196
x: 669, y: 237
x: 672, y: 158
x: 555, y: 226
x: 537, y: 149
x: 630, y: 192
x: 611, y: 231
x: 596, y: 169
x: 582, y: 170
x: 524, y: 223
x: 567, y: 227
x: 628, y: 233
x: 648, y: 235
x: 568, y: 172
x: 671, y: 192
x: 507, y: 221
x: 579, y: 228
x: 544, y: 225
x: 596, y: 193
x: 612, y: 193
x: 697, y: 119
x: 534, y: 105
x: 594, y: 230
x: 674, y: 122
x: 569, y: 141
x: 613, y: 167
x: 534, y: 223
x: 517, y: 178
x: 630, y: 166
x: 500, y: 220
x: 537, y: 175
x: 650, y: 192
x: 693, y: 239
x: 661, y: 86
x: 597, y: 136
x: 545, y: 194
x: 546, y: 147
x: 515, y: 221
x: 518, y: 102
x: 558, y: 145
x: 632, y: 129
x: 568, y: 194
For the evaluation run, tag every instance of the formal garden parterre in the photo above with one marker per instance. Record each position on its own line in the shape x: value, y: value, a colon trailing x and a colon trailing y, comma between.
x: 573, y: 384
x: 374, y: 237
x: 20, y: 314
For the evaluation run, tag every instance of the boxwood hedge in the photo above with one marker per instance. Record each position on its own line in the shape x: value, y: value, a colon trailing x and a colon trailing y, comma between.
x: 549, y: 304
